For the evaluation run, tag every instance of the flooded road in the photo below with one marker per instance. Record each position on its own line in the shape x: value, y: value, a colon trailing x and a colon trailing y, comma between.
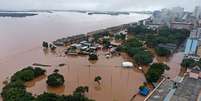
x: 173, y: 62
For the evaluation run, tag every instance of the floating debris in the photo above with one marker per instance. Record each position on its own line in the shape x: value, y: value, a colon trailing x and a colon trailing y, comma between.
x: 43, y: 65
x: 62, y: 64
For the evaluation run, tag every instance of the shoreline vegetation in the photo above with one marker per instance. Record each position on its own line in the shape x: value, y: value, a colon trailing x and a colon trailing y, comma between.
x: 15, y: 89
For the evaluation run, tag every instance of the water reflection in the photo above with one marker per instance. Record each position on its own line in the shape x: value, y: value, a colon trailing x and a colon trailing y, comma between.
x: 57, y: 90
x: 46, y: 51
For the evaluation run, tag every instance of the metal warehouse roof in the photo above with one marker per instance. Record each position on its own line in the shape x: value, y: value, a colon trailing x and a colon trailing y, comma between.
x: 191, y: 46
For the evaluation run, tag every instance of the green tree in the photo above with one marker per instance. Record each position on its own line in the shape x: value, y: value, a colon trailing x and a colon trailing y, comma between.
x: 106, y: 43
x: 17, y: 94
x: 143, y: 58
x: 155, y: 71
x: 39, y: 71
x: 188, y: 63
x: 97, y: 79
x: 162, y: 51
x: 26, y: 74
x: 47, y: 97
x: 55, y: 80
x: 81, y: 90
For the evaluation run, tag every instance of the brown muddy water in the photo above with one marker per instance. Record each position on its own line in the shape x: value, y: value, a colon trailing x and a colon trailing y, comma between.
x: 20, y: 47
x: 173, y: 62
x: 117, y: 84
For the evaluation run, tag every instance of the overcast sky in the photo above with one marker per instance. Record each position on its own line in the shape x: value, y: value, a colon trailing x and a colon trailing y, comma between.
x: 98, y: 4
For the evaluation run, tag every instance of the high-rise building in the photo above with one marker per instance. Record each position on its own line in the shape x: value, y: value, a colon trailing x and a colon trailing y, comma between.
x: 177, y: 12
x: 197, y: 12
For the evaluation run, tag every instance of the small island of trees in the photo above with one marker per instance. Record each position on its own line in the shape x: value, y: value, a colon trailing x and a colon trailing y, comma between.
x: 55, y: 79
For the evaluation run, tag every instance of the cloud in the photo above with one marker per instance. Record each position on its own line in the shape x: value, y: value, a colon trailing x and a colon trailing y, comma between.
x: 97, y: 4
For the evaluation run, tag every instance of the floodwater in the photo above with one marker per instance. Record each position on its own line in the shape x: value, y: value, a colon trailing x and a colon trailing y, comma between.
x: 20, y: 34
x: 173, y: 62
x: 21, y: 39
x: 117, y: 84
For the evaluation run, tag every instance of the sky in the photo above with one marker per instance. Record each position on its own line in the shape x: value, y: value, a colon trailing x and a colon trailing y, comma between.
x: 119, y: 5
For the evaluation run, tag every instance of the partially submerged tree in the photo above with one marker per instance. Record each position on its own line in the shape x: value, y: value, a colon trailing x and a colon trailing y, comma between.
x: 45, y: 44
x: 97, y: 79
x: 81, y: 90
x: 52, y: 47
x: 55, y: 80
x: 93, y: 56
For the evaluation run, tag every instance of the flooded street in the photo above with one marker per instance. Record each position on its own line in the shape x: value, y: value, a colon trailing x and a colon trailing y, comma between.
x: 173, y: 62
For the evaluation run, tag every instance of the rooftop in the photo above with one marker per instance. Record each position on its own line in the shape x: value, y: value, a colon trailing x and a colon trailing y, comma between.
x: 191, y: 46
x: 188, y: 90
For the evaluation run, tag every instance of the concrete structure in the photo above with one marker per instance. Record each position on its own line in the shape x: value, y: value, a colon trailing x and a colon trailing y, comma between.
x: 194, y: 72
x: 181, y: 25
x: 188, y: 90
x: 196, y: 33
